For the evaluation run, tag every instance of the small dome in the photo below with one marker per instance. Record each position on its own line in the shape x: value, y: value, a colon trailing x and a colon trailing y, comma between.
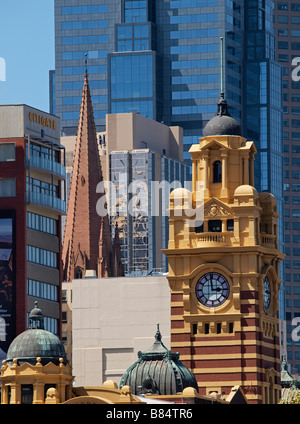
x: 222, y: 123
x: 36, y: 342
x: 245, y: 190
x: 180, y: 192
x: 110, y: 384
x: 266, y: 196
x: 158, y: 371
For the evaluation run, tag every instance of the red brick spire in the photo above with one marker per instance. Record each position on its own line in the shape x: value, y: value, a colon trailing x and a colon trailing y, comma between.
x: 84, y: 246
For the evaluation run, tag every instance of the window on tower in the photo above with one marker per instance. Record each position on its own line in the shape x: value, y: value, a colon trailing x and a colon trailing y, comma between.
x: 217, y: 172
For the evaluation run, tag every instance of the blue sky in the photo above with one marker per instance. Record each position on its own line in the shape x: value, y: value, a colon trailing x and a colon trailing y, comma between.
x: 27, y: 47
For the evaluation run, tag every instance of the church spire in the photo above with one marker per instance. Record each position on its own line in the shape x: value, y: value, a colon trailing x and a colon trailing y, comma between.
x: 82, y: 230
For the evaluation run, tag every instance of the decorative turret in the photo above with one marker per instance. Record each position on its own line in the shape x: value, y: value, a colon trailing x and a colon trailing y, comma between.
x: 36, y: 343
x: 148, y: 374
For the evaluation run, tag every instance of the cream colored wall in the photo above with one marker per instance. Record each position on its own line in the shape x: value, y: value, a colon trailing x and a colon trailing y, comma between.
x: 114, y: 318
x: 129, y: 131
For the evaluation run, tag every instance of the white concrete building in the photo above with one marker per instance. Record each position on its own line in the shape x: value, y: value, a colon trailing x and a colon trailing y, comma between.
x: 113, y: 319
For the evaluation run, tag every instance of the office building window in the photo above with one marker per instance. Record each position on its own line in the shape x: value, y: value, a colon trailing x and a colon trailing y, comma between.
x: 85, y: 39
x: 283, y: 45
x: 41, y: 223
x: 283, y: 58
x: 283, y: 19
x: 50, y: 324
x: 135, y: 11
x: 282, y: 6
x: 64, y: 296
x: 84, y: 10
x: 7, y: 152
x: 41, y: 256
x: 42, y: 290
x: 84, y: 24
x: 284, y: 32
x: 64, y: 317
x: 7, y: 187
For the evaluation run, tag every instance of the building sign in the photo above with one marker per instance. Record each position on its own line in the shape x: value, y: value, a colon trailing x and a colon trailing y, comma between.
x: 41, y: 124
x: 6, y: 282
x: 42, y: 120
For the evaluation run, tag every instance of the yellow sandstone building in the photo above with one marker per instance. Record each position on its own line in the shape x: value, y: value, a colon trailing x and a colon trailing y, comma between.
x: 223, y: 273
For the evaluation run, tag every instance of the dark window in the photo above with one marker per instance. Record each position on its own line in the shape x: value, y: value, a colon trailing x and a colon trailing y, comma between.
x: 26, y: 394
x: 283, y: 44
x: 219, y: 328
x: 194, y: 328
x: 230, y: 327
x: 282, y: 6
x: 206, y: 328
x: 199, y: 229
x: 64, y: 316
x: 283, y: 19
x: 215, y: 226
x: 217, y: 172
x: 230, y: 224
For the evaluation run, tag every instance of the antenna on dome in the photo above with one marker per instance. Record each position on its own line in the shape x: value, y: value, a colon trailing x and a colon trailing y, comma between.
x: 222, y: 67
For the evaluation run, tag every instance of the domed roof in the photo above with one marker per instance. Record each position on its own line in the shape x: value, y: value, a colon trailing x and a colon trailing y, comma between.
x: 180, y: 192
x: 246, y: 190
x: 222, y: 123
x: 36, y: 342
x: 158, y: 371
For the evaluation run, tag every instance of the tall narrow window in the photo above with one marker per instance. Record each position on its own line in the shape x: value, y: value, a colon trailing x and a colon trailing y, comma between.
x: 217, y: 172
x: 78, y: 272
x: 195, y: 329
x: 26, y: 394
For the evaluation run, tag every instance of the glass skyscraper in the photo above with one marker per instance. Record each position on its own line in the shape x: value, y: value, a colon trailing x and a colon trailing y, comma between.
x: 161, y: 58
x: 287, y: 20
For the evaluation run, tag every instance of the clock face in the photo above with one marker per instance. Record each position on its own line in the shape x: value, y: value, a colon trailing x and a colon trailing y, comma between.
x: 212, y: 289
x: 267, y: 292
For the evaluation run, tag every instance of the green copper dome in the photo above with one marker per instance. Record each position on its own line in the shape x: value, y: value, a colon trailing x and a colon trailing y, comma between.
x: 36, y: 342
x: 158, y: 371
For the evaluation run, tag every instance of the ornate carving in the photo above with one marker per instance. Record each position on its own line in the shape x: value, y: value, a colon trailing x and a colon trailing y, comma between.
x: 215, y: 210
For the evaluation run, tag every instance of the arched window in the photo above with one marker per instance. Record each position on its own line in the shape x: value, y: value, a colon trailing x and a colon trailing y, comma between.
x: 78, y: 272
x: 217, y: 172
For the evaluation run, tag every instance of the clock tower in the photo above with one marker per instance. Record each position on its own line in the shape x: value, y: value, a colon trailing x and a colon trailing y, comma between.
x: 224, y: 269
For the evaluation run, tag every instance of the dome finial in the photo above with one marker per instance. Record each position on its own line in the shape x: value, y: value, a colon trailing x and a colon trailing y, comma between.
x: 158, y: 335
x: 36, y: 317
